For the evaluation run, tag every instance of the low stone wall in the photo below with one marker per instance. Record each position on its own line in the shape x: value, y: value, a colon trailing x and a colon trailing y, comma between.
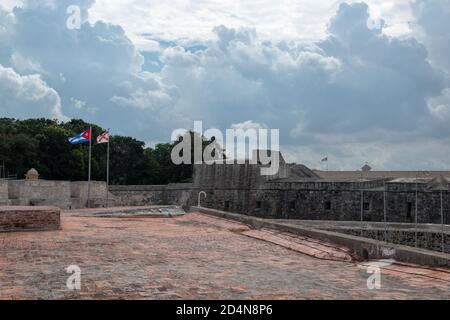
x: 293, y: 200
x: 364, y: 247
x: 62, y: 194
x: 79, y: 195
x: 139, y: 195
x: 180, y: 194
x: 429, y: 236
x: 29, y: 219
x: 3, y: 192
x: 40, y: 193
x: 172, y: 194
x: 133, y: 212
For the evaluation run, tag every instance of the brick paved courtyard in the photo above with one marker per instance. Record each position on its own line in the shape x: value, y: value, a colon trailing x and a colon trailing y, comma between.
x: 190, y: 257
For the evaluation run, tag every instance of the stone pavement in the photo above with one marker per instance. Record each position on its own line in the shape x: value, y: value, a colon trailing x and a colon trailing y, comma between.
x: 189, y: 257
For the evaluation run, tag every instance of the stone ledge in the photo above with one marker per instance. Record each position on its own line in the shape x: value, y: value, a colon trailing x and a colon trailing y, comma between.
x: 26, y: 208
x: 131, y: 212
x: 365, y: 225
x: 366, y: 248
x: 133, y: 188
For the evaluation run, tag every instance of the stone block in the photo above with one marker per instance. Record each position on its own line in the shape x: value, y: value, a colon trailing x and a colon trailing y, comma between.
x: 29, y: 219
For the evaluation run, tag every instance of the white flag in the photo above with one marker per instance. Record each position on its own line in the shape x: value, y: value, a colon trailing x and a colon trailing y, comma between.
x: 103, y: 138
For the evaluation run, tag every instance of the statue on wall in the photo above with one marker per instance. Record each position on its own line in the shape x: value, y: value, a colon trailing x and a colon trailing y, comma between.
x: 32, y: 174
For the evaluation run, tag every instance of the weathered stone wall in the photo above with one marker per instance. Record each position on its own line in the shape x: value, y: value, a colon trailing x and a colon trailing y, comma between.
x: 29, y: 219
x: 62, y: 194
x: 74, y: 195
x: 234, y: 176
x: 427, y: 240
x: 3, y: 193
x: 348, y: 205
x: 79, y: 194
x: 39, y: 193
x: 231, y: 200
x: 139, y: 195
x: 295, y: 193
x: 321, y: 200
x: 237, y: 176
x: 181, y: 194
x: 242, y: 189
x: 172, y: 194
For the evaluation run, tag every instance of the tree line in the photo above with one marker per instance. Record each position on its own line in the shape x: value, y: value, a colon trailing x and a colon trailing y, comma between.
x: 43, y: 144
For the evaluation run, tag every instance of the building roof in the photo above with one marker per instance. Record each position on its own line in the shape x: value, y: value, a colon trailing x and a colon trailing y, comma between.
x: 410, y: 180
x: 438, y: 184
x: 380, y: 174
x: 299, y: 171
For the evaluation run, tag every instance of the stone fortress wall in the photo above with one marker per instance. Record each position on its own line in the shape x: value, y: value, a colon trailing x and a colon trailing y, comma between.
x: 296, y: 192
x: 62, y: 194
x: 172, y: 194
x: 341, y: 201
x: 39, y: 192
x: 4, y: 193
x: 431, y: 240
x: 301, y: 194
x: 79, y: 195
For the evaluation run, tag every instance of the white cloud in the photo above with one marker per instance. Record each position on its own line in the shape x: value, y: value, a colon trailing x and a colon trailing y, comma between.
x: 356, y: 90
x: 431, y: 25
x: 274, y: 20
x: 409, y: 155
x: 77, y: 104
x: 8, y: 5
x: 355, y: 80
x: 25, y: 65
x: 147, y: 45
x: 97, y: 64
x: 27, y: 96
x: 440, y: 106
x: 145, y: 99
x: 246, y: 125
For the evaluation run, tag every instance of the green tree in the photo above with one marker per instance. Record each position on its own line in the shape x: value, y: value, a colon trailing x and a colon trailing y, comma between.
x: 43, y: 144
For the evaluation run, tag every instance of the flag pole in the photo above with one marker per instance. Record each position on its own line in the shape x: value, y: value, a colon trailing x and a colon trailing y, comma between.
x: 107, y: 173
x: 89, y: 170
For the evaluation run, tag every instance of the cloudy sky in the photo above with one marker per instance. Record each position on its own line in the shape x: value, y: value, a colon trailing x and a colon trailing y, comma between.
x: 354, y: 81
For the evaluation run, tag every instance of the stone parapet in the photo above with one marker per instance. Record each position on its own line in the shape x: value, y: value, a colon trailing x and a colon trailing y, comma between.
x: 39, y: 193
x: 3, y: 192
x: 363, y: 247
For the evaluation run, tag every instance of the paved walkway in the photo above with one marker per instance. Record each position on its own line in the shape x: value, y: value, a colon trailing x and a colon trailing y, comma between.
x: 190, y: 257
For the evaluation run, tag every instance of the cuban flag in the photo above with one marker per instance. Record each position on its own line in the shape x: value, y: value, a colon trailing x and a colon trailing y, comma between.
x: 83, y: 137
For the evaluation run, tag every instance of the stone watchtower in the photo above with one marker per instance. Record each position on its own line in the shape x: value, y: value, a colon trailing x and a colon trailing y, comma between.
x: 32, y: 174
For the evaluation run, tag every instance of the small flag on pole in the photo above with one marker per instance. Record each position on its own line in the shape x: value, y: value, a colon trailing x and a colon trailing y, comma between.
x: 103, y: 138
x: 83, y: 137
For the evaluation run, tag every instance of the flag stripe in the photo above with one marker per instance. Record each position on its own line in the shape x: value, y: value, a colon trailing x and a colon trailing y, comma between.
x: 83, y: 137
